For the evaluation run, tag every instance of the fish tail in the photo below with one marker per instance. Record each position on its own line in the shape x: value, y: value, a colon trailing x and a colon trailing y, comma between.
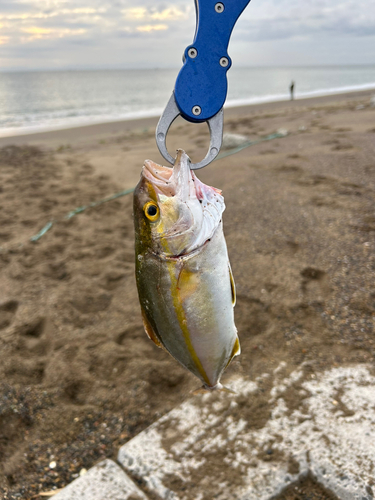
x: 206, y: 388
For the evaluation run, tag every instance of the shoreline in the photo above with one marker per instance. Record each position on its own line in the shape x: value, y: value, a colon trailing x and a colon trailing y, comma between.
x: 74, y: 134
x: 156, y: 112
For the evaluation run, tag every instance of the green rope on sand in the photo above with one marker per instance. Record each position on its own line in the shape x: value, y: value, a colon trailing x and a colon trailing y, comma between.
x: 79, y: 210
x: 43, y: 231
x: 224, y: 154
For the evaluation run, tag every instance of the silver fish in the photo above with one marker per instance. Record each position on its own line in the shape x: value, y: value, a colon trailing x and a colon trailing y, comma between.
x: 184, y: 279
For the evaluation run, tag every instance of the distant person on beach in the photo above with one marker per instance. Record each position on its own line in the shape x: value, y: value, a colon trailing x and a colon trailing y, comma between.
x: 292, y: 91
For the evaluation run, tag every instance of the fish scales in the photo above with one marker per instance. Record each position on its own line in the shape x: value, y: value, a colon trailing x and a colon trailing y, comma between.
x: 183, y: 274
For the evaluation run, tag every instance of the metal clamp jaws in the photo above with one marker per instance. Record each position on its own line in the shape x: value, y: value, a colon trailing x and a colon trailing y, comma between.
x: 215, y: 125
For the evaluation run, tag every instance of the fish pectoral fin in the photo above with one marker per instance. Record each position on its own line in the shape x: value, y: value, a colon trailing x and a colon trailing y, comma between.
x: 150, y: 331
x: 232, y: 285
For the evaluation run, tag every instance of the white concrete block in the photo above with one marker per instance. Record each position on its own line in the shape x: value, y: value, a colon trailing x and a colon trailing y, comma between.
x: 209, y: 447
x: 105, y: 481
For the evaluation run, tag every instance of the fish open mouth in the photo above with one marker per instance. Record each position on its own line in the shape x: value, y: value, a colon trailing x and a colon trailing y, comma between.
x: 160, y: 177
x: 157, y: 172
x: 179, y: 180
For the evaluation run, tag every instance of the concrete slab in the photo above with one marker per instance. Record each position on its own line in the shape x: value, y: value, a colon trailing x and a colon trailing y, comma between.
x: 105, y: 481
x: 252, y: 444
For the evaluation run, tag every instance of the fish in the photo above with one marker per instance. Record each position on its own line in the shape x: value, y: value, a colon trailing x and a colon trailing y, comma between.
x: 184, y: 279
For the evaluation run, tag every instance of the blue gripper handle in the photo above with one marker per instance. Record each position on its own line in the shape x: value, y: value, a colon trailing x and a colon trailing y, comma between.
x: 201, y: 85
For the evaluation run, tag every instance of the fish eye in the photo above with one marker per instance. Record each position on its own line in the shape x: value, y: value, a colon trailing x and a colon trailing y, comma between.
x: 151, y: 210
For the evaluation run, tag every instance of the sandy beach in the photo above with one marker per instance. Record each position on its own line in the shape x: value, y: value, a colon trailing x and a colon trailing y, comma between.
x: 78, y: 375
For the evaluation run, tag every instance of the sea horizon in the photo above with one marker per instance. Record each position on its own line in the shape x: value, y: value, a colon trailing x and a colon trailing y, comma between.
x: 175, y: 68
x: 46, y: 100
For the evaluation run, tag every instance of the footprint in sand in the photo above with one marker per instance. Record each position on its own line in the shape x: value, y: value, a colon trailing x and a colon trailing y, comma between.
x: 130, y: 333
x: 33, y: 337
x: 342, y: 147
x: 292, y: 247
x: 251, y: 316
x: 91, y: 303
x: 366, y: 223
x: 320, y: 201
x: 34, y: 328
x: 56, y: 270
x: 74, y: 391
x: 7, y: 312
x: 331, y: 142
x: 315, y: 283
x: 290, y: 168
x: 127, y: 256
x: 343, y: 129
x: 5, y: 237
x: 349, y: 188
x: 104, y: 252
x: 113, y: 279
x: 317, y: 180
x: 295, y: 156
x: 31, y: 343
x: 268, y: 152
x: 86, y: 168
x: 29, y: 223
x: 53, y: 250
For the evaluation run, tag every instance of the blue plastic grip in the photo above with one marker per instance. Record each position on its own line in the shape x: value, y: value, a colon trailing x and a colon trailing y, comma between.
x: 202, y: 80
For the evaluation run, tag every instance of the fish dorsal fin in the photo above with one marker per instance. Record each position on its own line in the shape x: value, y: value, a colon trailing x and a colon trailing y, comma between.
x: 232, y: 285
x: 150, y: 331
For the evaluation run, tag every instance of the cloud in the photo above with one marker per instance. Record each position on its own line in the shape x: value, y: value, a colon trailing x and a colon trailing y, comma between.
x: 36, y: 33
x: 170, y: 14
x: 135, y: 13
x: 271, y: 20
x: 136, y: 17
x: 167, y: 14
x: 34, y: 21
x: 24, y: 16
x: 149, y: 27
x: 134, y: 33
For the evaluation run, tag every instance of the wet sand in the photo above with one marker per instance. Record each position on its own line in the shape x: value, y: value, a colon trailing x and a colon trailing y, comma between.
x: 78, y: 376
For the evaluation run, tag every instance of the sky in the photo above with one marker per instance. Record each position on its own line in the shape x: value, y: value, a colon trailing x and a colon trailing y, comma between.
x: 99, y: 34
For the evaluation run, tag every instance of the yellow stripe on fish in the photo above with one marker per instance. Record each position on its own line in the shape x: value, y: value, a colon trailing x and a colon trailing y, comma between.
x: 182, y: 287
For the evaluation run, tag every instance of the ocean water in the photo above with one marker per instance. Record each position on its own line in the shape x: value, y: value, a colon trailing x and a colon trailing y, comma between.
x: 39, y: 101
